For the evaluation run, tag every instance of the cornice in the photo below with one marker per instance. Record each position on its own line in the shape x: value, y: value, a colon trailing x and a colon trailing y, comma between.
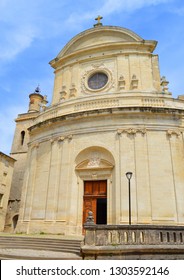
x: 120, y: 48
x: 176, y: 113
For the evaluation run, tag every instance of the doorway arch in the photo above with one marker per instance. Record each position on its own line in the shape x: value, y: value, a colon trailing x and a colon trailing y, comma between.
x: 94, y: 169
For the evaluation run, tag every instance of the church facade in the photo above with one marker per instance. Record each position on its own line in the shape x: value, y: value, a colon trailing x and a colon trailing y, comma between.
x: 111, y: 113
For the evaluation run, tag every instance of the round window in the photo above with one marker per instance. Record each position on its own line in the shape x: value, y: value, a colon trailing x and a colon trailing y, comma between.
x: 97, y: 80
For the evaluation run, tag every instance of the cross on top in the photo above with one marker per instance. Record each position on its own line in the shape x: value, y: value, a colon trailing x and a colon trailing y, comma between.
x: 98, y: 18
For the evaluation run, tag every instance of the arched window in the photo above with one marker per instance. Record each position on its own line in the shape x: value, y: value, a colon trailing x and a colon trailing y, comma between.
x: 15, y: 220
x: 22, y: 137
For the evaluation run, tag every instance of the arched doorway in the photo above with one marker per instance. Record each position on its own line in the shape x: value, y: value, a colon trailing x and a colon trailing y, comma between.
x: 94, y: 168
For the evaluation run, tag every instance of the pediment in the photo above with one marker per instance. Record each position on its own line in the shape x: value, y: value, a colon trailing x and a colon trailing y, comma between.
x: 94, y: 164
x: 95, y: 37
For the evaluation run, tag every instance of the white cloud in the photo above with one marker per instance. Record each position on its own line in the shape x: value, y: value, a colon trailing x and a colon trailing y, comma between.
x: 15, y: 41
x: 178, y: 11
x: 109, y: 7
x: 23, y: 22
x: 17, y: 29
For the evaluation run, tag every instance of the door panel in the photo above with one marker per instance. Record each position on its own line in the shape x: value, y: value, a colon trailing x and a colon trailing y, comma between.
x: 89, y: 205
x: 95, y: 188
x: 95, y: 192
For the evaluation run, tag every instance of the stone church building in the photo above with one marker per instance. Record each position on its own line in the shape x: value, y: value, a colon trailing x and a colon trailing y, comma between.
x: 111, y: 113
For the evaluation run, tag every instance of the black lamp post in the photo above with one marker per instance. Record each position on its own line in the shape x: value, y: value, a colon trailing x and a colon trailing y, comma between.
x: 129, y: 176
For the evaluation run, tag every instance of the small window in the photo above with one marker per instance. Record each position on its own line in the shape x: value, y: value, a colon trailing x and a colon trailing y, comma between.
x: 1, y: 200
x: 97, y: 80
x: 4, y: 179
x: 22, y: 137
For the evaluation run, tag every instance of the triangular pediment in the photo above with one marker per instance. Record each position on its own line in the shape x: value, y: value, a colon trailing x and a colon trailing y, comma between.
x: 94, y: 164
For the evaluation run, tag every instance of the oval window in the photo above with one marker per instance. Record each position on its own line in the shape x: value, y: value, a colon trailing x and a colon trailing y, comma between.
x: 97, y: 80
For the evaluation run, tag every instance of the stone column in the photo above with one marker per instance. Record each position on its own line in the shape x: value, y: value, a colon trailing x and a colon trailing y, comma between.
x: 53, y: 181
x: 161, y: 178
x: 142, y: 178
x: 41, y: 182
x: 177, y: 158
x: 127, y: 163
x: 32, y: 162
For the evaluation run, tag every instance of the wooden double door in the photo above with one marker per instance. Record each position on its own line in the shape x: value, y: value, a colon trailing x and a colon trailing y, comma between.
x: 95, y: 200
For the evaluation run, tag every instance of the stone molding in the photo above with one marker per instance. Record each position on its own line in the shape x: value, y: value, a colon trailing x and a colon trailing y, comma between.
x: 97, y: 104
x: 172, y: 132
x: 153, y: 102
x: 131, y: 131
x: 102, y: 101
x: 62, y: 138
x: 58, y: 139
x: 35, y: 145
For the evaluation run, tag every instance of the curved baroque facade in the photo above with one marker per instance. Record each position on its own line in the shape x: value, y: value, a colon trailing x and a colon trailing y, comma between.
x: 111, y: 113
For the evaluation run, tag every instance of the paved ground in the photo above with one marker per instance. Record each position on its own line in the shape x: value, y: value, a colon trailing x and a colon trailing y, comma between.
x: 55, y: 236
x: 14, y: 253
x: 36, y: 254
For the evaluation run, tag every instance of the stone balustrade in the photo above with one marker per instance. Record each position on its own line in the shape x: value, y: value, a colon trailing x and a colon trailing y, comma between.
x: 137, y: 241
x: 84, y: 104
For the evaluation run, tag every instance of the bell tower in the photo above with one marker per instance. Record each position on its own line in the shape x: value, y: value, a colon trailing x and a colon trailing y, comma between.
x: 19, y: 151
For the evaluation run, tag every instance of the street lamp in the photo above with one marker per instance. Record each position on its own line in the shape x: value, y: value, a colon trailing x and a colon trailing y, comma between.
x: 129, y: 176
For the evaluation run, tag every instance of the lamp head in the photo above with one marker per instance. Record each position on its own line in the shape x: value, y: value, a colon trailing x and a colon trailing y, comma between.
x: 129, y: 175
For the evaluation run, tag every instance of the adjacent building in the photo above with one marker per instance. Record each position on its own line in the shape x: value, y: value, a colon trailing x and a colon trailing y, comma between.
x: 6, y: 172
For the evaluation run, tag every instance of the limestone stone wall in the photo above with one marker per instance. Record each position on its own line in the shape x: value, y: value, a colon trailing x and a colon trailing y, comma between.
x: 130, y: 122
x: 125, y: 57
x: 19, y: 153
x: 6, y: 171
x: 53, y: 186
x: 71, y: 82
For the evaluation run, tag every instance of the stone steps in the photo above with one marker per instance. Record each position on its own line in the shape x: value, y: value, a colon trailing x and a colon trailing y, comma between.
x: 13, y: 257
x: 50, y: 248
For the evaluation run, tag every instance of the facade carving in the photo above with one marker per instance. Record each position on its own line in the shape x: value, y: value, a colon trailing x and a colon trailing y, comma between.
x: 175, y: 132
x: 134, y: 82
x: 153, y: 102
x: 121, y: 83
x: 94, y: 160
x: 97, y: 68
x: 98, y: 104
x: 164, y: 85
x: 132, y: 131
x: 63, y: 93
x: 73, y: 91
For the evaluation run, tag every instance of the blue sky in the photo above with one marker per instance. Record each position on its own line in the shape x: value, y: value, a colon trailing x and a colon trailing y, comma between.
x: 33, y: 32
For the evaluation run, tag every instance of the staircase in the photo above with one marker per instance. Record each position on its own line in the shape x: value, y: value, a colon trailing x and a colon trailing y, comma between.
x: 37, y: 248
